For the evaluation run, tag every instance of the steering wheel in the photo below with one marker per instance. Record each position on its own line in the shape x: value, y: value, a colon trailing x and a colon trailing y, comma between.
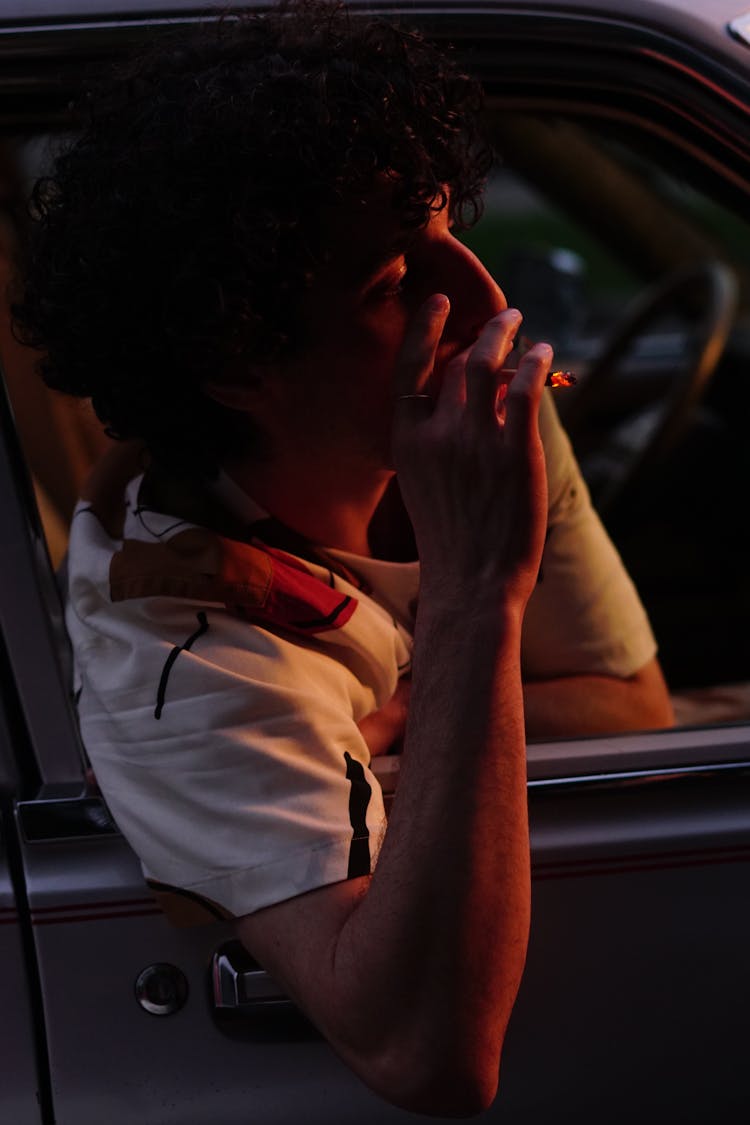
x: 611, y: 458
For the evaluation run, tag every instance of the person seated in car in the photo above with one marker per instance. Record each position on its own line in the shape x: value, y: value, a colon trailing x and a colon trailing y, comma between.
x: 248, y: 261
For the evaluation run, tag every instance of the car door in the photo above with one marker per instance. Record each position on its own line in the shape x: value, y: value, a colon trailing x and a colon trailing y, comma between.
x: 633, y: 1004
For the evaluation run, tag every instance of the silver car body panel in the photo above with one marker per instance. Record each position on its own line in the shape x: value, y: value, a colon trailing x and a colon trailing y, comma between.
x: 635, y: 881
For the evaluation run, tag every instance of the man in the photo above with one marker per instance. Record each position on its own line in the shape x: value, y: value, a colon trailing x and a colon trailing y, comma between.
x: 248, y: 263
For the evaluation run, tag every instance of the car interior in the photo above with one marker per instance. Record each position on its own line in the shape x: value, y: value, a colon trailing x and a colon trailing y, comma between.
x: 635, y: 267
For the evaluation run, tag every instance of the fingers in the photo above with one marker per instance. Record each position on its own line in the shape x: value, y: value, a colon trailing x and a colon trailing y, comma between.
x: 485, y: 362
x: 475, y: 379
x: 524, y: 394
x: 420, y: 345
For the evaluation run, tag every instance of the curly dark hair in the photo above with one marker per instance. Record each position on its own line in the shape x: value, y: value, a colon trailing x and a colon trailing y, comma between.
x: 179, y: 232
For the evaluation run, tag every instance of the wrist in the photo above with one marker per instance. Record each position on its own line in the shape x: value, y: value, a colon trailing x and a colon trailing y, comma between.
x: 472, y: 608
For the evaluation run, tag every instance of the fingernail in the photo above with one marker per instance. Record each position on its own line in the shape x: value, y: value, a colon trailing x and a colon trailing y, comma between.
x: 515, y: 315
x: 438, y: 303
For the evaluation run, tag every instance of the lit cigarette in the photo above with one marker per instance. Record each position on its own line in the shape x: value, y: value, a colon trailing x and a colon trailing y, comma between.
x: 555, y: 378
x: 560, y: 379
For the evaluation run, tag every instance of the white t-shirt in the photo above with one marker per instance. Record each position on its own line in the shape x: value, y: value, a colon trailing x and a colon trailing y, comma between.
x: 221, y: 683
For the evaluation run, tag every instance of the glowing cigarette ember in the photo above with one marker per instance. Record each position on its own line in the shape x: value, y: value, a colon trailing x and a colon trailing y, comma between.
x: 555, y: 378
x: 560, y: 379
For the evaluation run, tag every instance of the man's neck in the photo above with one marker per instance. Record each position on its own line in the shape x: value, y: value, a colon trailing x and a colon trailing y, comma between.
x: 332, y: 509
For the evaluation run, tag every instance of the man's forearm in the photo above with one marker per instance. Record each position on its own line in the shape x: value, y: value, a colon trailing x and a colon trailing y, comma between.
x: 445, y: 921
x: 417, y: 966
x: 597, y: 704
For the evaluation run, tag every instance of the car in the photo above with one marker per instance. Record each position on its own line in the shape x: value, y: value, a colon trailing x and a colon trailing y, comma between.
x: 618, y: 219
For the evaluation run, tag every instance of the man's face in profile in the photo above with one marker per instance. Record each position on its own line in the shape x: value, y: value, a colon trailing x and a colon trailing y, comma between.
x: 339, y: 387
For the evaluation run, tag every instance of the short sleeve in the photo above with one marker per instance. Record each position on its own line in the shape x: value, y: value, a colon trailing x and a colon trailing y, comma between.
x: 585, y: 616
x: 229, y: 756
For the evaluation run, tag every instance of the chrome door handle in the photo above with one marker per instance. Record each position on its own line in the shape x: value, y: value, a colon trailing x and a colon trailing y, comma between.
x: 239, y: 983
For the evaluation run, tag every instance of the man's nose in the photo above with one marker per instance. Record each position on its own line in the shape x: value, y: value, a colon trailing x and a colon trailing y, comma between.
x: 474, y: 294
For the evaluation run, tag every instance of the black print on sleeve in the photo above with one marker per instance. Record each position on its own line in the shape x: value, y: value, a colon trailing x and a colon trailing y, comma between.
x: 359, y: 799
x: 161, y: 690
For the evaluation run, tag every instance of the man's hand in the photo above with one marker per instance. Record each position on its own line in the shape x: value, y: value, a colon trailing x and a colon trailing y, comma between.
x: 383, y: 730
x: 469, y: 459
